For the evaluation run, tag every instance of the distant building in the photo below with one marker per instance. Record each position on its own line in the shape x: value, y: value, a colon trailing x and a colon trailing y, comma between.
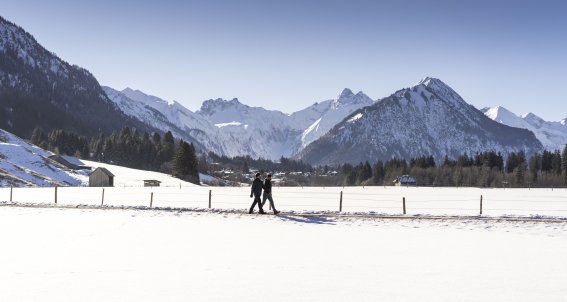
x: 405, y: 180
x: 101, y: 177
x: 151, y: 183
x: 59, y: 159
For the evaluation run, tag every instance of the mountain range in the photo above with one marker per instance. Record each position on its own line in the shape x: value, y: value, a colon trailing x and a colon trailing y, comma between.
x: 37, y: 88
x: 553, y: 135
x: 228, y: 127
x: 428, y: 118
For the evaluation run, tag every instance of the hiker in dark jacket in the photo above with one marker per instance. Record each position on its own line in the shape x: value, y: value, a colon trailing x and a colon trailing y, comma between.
x: 256, y: 192
x: 268, y: 193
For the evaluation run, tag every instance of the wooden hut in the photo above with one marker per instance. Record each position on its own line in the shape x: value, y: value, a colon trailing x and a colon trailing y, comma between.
x: 101, y: 177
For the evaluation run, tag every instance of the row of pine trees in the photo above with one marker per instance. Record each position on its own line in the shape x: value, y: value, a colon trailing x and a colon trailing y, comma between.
x: 485, y: 169
x: 127, y: 148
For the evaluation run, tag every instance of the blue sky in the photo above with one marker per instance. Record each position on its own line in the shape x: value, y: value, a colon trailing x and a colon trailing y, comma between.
x: 287, y: 55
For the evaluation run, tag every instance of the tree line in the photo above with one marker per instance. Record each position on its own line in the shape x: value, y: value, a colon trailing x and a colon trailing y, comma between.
x: 484, y: 169
x: 127, y: 148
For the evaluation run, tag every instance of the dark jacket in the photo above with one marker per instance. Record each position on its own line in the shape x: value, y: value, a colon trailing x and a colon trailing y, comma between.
x: 267, y: 186
x: 256, y: 187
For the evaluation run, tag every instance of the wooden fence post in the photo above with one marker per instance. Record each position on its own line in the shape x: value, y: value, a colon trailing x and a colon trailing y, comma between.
x: 151, y: 199
x: 480, y: 204
x: 55, y: 194
x: 102, y: 200
x: 341, y: 202
x: 210, y: 197
x: 404, y: 203
x: 11, y: 192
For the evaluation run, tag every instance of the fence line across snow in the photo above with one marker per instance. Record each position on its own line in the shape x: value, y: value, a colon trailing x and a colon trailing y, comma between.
x: 464, y: 201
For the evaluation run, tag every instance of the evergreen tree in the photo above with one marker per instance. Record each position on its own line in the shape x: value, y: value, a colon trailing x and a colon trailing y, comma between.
x: 39, y: 138
x: 245, y: 168
x: 351, y: 178
x: 556, y: 163
x: 378, y: 173
x: 534, y: 167
x: 185, y: 164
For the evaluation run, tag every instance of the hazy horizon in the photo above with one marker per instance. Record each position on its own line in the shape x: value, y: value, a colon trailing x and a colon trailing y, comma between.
x: 286, y: 56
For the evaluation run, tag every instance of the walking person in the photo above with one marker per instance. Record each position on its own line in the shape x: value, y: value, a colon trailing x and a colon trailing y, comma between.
x: 268, y: 193
x: 256, y: 192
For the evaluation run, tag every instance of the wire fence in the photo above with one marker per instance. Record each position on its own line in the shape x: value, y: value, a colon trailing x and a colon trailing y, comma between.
x: 386, y: 200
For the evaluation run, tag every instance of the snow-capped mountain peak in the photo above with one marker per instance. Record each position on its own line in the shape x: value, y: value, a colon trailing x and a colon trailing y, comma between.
x: 503, y: 116
x: 346, y: 93
x: 442, y: 90
x: 347, y: 97
x: 347, y: 103
x: 533, y: 119
x: 553, y: 135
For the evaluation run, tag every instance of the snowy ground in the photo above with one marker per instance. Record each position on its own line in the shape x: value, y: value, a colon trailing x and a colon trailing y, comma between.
x: 380, y: 200
x: 55, y: 254
x: 135, y: 178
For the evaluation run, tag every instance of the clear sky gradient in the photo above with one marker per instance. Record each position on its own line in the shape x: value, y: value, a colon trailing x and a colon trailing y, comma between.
x: 286, y: 55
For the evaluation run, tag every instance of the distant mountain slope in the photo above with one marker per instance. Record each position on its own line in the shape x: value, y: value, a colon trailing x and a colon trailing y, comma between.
x: 23, y: 164
x: 263, y: 133
x: 330, y: 113
x: 37, y: 88
x: 426, y: 119
x: 181, y: 121
x: 553, y: 135
x: 229, y: 127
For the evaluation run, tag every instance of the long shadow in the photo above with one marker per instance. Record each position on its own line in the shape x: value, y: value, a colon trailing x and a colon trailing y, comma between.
x: 308, y: 219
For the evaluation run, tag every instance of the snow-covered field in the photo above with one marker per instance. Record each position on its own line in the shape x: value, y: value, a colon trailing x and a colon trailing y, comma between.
x: 383, y: 200
x: 56, y: 254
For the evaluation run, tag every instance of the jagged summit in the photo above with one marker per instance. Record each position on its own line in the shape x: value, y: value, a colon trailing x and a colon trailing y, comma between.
x: 431, y: 82
x: 533, y: 119
x: 346, y: 93
x: 436, y: 84
x: 348, y: 97
x: 209, y: 107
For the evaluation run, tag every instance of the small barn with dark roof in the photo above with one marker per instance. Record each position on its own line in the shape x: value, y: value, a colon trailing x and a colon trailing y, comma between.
x: 405, y: 180
x: 60, y: 159
x: 101, y: 177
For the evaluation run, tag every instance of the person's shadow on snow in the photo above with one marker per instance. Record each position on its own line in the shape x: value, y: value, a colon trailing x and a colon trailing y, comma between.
x: 307, y: 219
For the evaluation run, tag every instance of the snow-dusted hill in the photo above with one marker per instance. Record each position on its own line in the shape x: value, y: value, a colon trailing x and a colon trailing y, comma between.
x: 553, y: 135
x: 23, y: 164
x: 429, y: 118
